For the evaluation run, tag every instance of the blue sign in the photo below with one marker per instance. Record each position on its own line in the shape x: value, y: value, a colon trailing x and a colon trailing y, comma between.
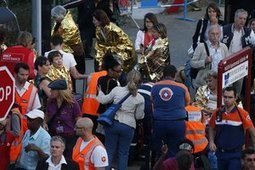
x: 148, y: 3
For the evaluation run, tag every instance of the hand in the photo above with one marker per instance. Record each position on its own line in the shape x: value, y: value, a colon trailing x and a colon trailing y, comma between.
x: 208, y: 59
x: 31, y: 147
x: 212, y: 146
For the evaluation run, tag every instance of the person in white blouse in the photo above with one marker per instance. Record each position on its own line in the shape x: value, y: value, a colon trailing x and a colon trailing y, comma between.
x: 118, y: 137
x: 145, y: 36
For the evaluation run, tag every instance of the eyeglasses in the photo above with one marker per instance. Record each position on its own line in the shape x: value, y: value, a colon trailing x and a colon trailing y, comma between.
x: 76, y: 127
x: 250, y: 159
x: 228, y: 97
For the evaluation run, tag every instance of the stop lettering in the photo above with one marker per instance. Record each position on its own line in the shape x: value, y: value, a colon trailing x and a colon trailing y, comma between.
x: 7, y: 91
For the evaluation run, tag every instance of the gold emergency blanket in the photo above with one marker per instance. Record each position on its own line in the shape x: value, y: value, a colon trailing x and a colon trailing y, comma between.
x: 112, y: 39
x: 70, y: 33
x: 156, y: 58
x: 60, y: 73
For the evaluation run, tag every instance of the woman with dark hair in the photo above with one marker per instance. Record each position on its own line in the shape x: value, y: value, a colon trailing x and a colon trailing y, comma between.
x: 212, y: 17
x: 157, y: 54
x: 42, y: 65
x: 113, y: 65
x: 118, y: 137
x: 145, y: 35
x: 251, y: 24
x: 111, y: 38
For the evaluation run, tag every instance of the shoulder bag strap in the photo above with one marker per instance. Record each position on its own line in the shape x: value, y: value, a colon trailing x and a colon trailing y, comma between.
x: 207, y: 52
x: 124, y: 98
x: 206, y: 49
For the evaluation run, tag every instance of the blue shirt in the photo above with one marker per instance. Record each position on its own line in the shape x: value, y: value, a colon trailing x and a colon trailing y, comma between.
x: 28, y: 160
x: 169, y: 100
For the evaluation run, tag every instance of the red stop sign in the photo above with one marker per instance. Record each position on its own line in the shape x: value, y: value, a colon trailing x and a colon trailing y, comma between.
x: 7, y: 91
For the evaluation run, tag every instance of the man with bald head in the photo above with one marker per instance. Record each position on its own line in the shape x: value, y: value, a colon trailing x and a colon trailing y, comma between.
x: 88, y: 151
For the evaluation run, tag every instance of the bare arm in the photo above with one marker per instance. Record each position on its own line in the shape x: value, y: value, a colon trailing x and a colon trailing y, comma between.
x: 159, y: 164
x: 44, y: 85
x: 252, y: 133
x: 212, y: 145
x: 76, y: 75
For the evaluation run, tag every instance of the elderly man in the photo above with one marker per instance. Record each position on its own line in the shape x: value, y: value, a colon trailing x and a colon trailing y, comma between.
x: 56, y: 159
x: 227, y: 131
x: 36, y: 142
x: 236, y: 36
x: 248, y: 159
x: 67, y: 29
x: 208, y: 55
x: 88, y: 151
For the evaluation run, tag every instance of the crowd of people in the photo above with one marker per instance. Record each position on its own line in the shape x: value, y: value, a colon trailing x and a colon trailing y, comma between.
x: 49, y: 127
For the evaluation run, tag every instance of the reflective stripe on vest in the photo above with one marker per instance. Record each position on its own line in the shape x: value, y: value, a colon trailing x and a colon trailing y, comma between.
x: 195, y: 131
x: 90, y: 104
x: 83, y: 158
x: 17, y: 143
x: 26, y: 102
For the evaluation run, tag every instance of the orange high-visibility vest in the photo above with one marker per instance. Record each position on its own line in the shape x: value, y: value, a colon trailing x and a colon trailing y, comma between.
x: 17, y: 143
x: 195, y: 131
x: 25, y: 103
x: 90, y: 104
x: 83, y: 158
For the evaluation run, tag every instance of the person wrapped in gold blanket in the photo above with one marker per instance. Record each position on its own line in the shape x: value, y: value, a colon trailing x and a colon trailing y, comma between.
x: 112, y: 39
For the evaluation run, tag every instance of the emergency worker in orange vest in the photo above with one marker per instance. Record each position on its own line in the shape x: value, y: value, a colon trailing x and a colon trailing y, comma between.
x: 26, y: 95
x: 90, y: 105
x: 195, y: 128
x: 15, y: 127
x: 88, y: 151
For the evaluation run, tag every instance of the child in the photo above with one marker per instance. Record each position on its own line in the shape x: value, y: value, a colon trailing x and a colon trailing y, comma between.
x: 157, y: 54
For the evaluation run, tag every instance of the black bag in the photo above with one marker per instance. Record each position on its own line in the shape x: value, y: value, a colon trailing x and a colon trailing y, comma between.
x: 194, y: 71
x: 107, y: 117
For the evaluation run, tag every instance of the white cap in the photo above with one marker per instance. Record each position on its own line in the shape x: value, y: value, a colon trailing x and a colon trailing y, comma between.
x: 35, y: 114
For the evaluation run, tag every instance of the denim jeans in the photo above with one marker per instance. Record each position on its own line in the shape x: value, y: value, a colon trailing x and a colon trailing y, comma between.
x: 229, y: 161
x: 118, y: 138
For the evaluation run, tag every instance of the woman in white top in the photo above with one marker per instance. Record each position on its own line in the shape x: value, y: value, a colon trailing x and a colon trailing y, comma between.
x: 118, y: 137
x: 145, y: 35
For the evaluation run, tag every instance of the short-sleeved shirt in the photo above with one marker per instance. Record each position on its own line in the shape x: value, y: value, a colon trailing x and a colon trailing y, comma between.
x: 99, y: 155
x: 68, y: 59
x: 169, y: 100
x: 28, y: 160
x: 65, y: 121
x: 231, y: 128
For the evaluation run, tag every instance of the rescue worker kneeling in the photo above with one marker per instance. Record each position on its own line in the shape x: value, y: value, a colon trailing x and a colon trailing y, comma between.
x: 195, y: 129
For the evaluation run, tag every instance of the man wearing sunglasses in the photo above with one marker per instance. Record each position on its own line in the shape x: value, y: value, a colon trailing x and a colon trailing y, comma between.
x: 248, y: 159
x: 227, y: 131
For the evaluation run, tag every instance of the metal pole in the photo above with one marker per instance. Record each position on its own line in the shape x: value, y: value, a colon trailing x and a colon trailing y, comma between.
x: 37, y: 24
